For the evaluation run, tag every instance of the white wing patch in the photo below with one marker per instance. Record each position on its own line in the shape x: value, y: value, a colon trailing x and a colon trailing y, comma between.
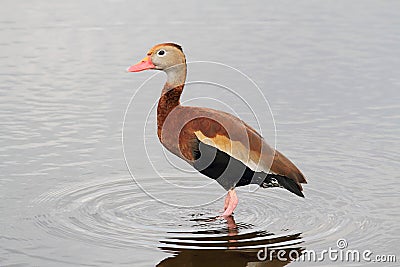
x: 235, y: 149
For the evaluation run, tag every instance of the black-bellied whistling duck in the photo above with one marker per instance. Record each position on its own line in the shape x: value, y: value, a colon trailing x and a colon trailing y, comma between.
x: 217, y: 144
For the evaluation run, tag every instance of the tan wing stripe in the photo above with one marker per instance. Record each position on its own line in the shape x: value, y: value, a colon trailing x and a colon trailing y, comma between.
x: 234, y: 149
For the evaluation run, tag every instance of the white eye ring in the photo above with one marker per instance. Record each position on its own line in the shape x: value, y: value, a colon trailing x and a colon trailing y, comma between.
x: 161, y: 53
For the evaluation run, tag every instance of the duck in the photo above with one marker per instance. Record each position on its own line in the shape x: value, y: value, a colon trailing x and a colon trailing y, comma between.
x: 217, y: 144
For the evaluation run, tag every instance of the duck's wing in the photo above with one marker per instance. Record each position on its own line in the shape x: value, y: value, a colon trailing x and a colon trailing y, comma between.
x: 234, y: 137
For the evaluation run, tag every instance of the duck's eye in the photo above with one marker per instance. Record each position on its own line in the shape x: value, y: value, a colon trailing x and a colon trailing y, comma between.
x: 161, y: 53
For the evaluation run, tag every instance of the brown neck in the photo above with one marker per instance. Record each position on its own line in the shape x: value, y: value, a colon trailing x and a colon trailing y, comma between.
x: 168, y: 101
x: 171, y: 93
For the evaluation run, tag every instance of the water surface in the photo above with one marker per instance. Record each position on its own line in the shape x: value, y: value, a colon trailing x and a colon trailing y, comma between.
x: 328, y: 69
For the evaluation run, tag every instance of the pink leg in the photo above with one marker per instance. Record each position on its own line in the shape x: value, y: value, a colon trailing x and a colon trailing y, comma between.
x: 226, y: 203
x: 233, y: 201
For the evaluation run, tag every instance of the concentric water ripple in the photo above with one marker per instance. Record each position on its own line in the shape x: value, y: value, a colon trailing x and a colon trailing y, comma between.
x: 110, y: 213
x: 117, y: 214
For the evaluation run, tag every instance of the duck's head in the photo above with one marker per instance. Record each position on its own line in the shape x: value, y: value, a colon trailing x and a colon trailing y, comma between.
x: 161, y: 57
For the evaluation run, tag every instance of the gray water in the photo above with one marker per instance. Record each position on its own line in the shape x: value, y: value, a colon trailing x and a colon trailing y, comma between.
x: 329, y: 69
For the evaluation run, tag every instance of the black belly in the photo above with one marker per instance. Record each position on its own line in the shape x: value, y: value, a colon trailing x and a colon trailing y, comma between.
x: 226, y: 170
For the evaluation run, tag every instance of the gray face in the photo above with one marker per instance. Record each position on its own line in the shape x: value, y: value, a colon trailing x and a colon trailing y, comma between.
x: 164, y: 57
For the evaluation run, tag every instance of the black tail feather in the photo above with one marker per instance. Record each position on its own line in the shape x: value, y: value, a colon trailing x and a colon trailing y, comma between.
x: 275, y: 180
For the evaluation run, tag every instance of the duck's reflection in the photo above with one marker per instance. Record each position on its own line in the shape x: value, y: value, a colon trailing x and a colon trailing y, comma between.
x: 227, y: 246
